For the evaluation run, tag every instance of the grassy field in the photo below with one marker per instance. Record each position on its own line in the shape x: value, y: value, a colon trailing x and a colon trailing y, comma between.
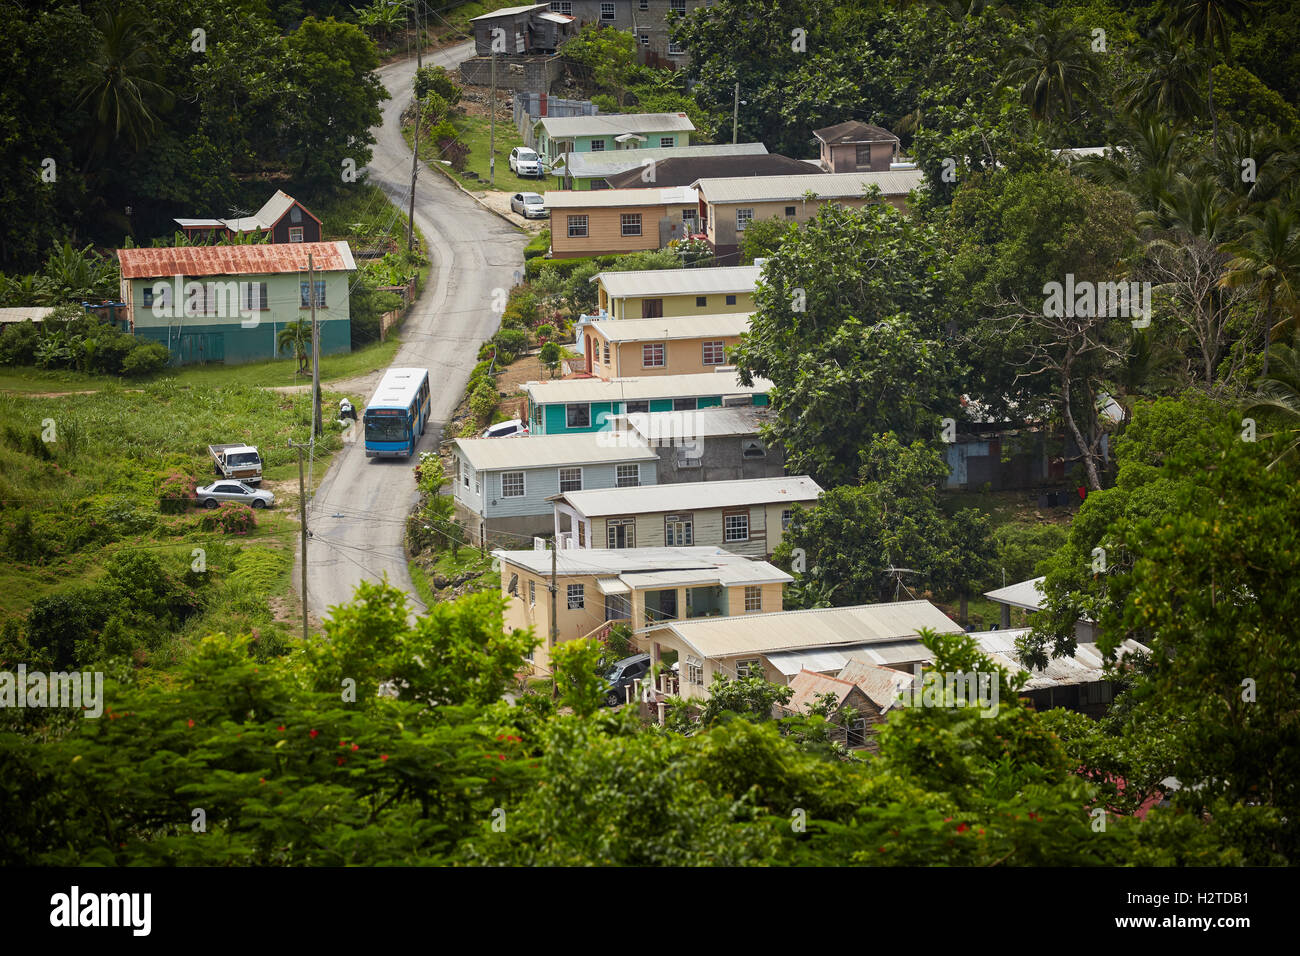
x: 476, y: 135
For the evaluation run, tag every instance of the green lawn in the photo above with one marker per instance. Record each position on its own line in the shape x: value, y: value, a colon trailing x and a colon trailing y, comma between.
x: 476, y: 135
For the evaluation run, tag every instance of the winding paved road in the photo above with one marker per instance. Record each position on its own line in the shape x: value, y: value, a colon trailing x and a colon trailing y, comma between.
x: 473, y: 252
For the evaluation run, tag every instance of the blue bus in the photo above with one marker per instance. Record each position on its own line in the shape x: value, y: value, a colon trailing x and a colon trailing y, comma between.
x: 396, y: 416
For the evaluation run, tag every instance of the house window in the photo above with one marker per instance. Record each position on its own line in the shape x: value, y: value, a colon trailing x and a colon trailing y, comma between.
x: 468, y: 470
x: 627, y: 476
x: 735, y: 527
x: 677, y: 6
x: 652, y: 308
x: 645, y: 37
x: 564, y: 6
x: 643, y: 4
x: 789, y: 212
x: 752, y: 448
x: 688, y: 219
x: 631, y: 222
x: 749, y: 668
x: 578, y: 416
x: 570, y: 479
x: 577, y: 600
x: 607, y: 11
x: 856, y: 733
x: 255, y: 296
x: 753, y: 598
x: 679, y: 531
x: 633, y: 407
x: 684, y: 404
x: 147, y: 295
x: 743, y: 218
x: 731, y: 300
x: 667, y: 142
x: 652, y: 355
x: 597, y: 145
x: 620, y: 533
x: 295, y: 233
x: 701, y: 301
x: 714, y: 353
x: 303, y: 300
x: 512, y: 484
x: 532, y: 592
x: 605, y: 350
x: 786, y: 515
x: 694, y: 671
x: 675, y: 48
x: 577, y: 227
x: 864, y: 156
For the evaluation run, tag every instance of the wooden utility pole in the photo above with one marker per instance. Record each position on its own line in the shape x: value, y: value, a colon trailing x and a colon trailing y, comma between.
x: 316, y: 427
x: 735, y: 114
x: 419, y: 40
x: 415, y: 171
x: 302, y: 517
x: 492, y: 123
x: 555, y: 627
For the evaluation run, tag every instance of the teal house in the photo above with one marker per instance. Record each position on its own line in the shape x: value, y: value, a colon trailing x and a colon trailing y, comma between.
x: 573, y: 406
x: 557, y: 136
x: 230, y: 303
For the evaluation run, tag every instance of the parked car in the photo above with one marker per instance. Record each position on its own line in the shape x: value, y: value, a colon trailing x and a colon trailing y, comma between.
x: 525, y: 162
x: 241, y: 462
x: 621, y: 676
x: 514, y: 428
x: 212, y: 495
x: 528, y: 205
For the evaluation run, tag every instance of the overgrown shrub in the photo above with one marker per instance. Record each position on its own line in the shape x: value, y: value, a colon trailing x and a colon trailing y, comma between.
x: 229, y: 518
x: 176, y: 492
x: 483, y: 402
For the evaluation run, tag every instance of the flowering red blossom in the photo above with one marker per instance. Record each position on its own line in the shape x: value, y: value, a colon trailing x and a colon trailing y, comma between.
x: 313, y: 734
x: 342, y: 761
x: 280, y: 728
x: 383, y: 756
x: 356, y: 746
x: 962, y: 828
x: 190, y: 722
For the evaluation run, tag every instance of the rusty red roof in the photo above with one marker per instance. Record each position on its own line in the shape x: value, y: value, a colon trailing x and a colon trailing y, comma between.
x: 265, y: 259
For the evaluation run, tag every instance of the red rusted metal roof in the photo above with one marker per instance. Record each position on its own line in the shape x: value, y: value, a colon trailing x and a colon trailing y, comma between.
x: 270, y: 258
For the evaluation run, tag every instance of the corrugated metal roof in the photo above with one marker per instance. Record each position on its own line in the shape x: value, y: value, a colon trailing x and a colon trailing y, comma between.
x: 691, y: 496
x: 683, y: 170
x: 541, y: 451
x: 556, y: 391
x: 820, y: 628
x: 883, y: 654
x: 616, y: 561
x: 654, y: 282
x: 265, y: 259
x: 826, y: 186
x: 808, y: 686
x: 881, y: 684
x: 614, y: 124
x: 728, y: 325
x: 554, y: 17
x: 24, y: 313
x: 510, y: 11
x: 700, y: 423
x: 611, y: 198
x: 587, y: 165
x: 854, y: 131
x: 1023, y: 594
x: 1087, y: 666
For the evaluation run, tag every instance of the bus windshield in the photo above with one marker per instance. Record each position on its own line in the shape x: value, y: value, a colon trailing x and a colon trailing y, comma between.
x: 386, y: 428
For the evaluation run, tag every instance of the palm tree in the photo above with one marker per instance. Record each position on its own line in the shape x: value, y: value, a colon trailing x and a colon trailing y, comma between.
x: 1171, y: 85
x: 1146, y: 164
x: 1052, y: 65
x: 1209, y: 23
x: 121, y: 90
x: 294, y: 337
x: 1277, y: 396
x: 1267, y: 258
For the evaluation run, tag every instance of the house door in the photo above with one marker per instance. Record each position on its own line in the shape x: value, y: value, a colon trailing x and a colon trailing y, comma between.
x: 652, y: 308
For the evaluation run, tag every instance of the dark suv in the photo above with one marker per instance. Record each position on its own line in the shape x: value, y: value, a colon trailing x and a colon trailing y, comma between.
x: 621, y: 675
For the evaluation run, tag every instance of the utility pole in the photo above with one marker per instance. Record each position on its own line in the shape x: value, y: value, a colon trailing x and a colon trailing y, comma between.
x: 302, y: 517
x: 492, y: 123
x: 735, y: 114
x: 419, y: 39
x: 316, y: 427
x: 415, y: 170
x: 555, y: 627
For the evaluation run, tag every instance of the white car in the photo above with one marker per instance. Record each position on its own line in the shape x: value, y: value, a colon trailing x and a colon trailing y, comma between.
x: 212, y: 495
x: 528, y: 205
x: 514, y: 428
x: 525, y: 162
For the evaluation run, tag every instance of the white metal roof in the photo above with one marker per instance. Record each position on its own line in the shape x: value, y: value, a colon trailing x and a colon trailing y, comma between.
x: 23, y: 313
x: 622, y: 561
x: 1086, y: 666
x: 699, y: 423
x: 700, y: 384
x: 826, y: 186
x: 609, y: 198
x: 728, y: 325
x: 691, y: 496
x: 614, y: 124
x: 510, y: 11
x: 541, y: 451
x: 1023, y: 594
x: 603, y: 163
x: 818, y: 628
x: 655, y: 282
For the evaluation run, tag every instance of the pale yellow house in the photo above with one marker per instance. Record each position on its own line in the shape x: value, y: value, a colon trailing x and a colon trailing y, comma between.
x: 668, y: 293
x: 747, y: 517
x: 630, y: 348
x: 642, y: 587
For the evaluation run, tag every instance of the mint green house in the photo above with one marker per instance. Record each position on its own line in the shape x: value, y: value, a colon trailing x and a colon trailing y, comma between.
x: 230, y: 303
x: 557, y: 136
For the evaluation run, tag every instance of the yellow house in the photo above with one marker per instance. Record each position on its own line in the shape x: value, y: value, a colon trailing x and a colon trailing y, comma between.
x: 729, y: 205
x: 598, y: 222
x: 668, y: 346
x: 640, y: 586
x: 671, y: 293
x: 746, y: 516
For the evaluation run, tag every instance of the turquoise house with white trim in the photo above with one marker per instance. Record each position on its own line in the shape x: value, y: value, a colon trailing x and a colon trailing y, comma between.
x: 230, y: 303
x: 607, y: 132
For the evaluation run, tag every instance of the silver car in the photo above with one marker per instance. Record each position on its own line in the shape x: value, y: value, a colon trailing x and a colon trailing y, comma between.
x: 212, y: 495
x: 528, y: 205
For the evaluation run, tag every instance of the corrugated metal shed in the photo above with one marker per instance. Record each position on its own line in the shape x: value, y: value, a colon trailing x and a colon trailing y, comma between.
x: 608, y: 198
x: 826, y: 186
x: 589, y: 165
x: 655, y: 282
x: 269, y: 259
x: 557, y: 391
x: 539, y: 451
x: 615, y: 124
x: 690, y: 496
x: 672, y: 328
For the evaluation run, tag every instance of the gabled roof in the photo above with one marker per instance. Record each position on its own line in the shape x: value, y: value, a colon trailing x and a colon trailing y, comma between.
x: 672, y: 328
x: 603, y: 198
x: 610, y: 162
x: 826, y: 186
x: 881, y: 684
x: 1023, y: 594
x: 614, y: 124
x: 553, y: 451
x: 678, y: 170
x: 809, y: 685
x: 268, y: 259
x: 657, y: 282
x: 510, y: 11
x: 691, y: 496
x: 854, y: 132
x: 698, y: 385
x: 275, y: 209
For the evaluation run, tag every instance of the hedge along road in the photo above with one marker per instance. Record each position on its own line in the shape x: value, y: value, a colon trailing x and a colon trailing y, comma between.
x: 472, y: 253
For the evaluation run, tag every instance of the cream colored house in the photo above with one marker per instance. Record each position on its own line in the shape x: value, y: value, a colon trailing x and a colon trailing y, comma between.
x: 670, y: 293
x: 641, y: 586
x: 746, y: 517
x: 630, y: 348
